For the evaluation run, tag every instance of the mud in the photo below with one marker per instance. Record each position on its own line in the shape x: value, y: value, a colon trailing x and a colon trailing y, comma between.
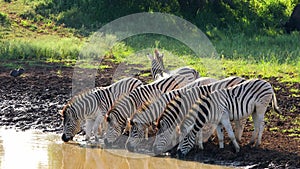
x: 32, y: 101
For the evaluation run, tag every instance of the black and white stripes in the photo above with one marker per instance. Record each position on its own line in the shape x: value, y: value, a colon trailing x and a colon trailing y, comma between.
x: 175, y: 108
x: 138, y: 100
x: 159, y: 108
x: 251, y: 97
x: 91, y: 106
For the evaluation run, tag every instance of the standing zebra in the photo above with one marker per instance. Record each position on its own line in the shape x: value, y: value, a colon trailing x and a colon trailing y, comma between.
x: 139, y: 122
x: 251, y: 97
x: 157, y: 65
x: 158, y: 69
x: 90, y: 106
x: 138, y: 100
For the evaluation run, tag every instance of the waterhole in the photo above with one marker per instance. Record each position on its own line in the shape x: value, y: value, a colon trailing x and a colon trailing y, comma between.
x: 35, y: 150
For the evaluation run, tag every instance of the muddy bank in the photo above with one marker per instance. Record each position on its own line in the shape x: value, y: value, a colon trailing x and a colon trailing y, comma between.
x: 32, y: 101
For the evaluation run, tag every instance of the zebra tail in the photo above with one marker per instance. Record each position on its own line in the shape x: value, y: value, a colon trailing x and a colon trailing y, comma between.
x: 275, y: 105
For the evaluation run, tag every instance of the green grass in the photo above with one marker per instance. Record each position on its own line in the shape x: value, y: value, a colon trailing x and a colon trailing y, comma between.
x: 41, y: 48
x: 27, y: 33
x: 279, y: 48
x: 244, y: 59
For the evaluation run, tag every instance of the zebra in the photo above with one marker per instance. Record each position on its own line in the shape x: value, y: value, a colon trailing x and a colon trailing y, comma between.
x: 91, y: 105
x: 138, y: 100
x: 141, y: 121
x: 158, y: 69
x: 251, y: 97
x: 157, y: 65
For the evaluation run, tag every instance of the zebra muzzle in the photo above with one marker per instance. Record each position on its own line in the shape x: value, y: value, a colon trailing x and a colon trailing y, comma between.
x: 65, y: 138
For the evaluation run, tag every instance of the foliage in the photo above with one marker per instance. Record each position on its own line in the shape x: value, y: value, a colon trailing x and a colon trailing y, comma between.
x: 4, y: 20
x: 230, y: 15
x: 245, y: 33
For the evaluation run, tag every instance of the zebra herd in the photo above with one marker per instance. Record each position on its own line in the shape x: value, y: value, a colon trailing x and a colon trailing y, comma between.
x: 173, y: 109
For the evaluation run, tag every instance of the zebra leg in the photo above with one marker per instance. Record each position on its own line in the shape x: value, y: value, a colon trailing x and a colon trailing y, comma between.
x: 147, y: 133
x: 89, y: 127
x: 239, y: 128
x: 186, y: 144
x: 256, y: 128
x: 220, y: 135
x: 200, y: 139
x: 97, y: 124
x: 226, y: 123
x: 258, y: 118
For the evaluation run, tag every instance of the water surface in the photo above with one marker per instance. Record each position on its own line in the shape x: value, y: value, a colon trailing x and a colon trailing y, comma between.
x: 35, y: 150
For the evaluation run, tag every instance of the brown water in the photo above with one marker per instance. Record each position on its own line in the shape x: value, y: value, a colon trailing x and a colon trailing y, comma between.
x: 34, y: 149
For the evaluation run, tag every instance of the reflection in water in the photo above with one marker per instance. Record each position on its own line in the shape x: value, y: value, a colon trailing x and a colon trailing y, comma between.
x: 34, y: 149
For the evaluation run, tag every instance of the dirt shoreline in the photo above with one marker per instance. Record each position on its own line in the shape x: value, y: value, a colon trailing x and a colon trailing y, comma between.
x: 32, y: 101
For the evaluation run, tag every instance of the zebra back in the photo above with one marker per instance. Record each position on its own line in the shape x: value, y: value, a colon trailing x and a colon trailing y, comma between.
x: 195, y: 92
x: 156, y: 108
x: 117, y: 91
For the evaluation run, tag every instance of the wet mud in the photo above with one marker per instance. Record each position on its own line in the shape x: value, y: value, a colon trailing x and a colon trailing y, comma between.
x: 33, y: 100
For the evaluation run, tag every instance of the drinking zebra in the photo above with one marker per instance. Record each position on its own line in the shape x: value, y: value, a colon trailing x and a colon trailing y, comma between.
x: 138, y: 100
x: 139, y: 122
x: 91, y: 106
x: 251, y: 97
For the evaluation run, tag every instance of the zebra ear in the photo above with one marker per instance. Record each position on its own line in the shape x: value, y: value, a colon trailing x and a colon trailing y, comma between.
x: 160, y: 56
x: 156, y: 52
x: 150, y: 56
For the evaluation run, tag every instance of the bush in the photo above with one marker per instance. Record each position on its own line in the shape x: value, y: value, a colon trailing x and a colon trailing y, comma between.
x: 4, y: 20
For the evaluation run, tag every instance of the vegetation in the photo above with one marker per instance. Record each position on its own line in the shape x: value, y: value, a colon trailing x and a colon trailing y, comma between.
x: 247, y: 34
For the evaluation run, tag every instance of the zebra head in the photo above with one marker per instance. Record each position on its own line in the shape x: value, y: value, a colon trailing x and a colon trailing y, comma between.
x: 114, y: 130
x: 71, y: 123
x: 165, y: 137
x: 136, y: 135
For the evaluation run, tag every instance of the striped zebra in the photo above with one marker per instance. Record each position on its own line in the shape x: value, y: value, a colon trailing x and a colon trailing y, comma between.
x: 157, y: 65
x: 158, y: 69
x: 91, y: 106
x: 141, y: 121
x: 138, y: 100
x: 251, y: 97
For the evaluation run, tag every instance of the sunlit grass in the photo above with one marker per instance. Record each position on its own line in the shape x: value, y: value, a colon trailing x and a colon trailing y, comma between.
x: 45, y: 47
